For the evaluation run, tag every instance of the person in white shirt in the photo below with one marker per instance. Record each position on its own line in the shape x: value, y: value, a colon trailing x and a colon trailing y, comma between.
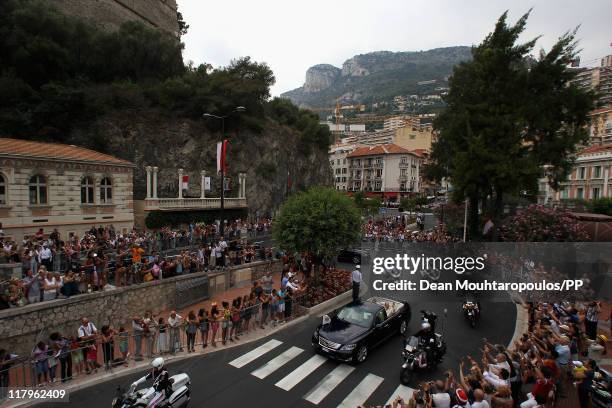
x: 87, y: 333
x: 497, y: 380
x: 46, y: 257
x: 51, y: 285
x: 356, y: 279
x: 440, y: 397
x: 174, y: 323
x: 479, y: 399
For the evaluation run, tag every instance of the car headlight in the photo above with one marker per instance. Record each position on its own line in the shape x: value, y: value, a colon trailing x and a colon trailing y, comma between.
x: 348, y: 347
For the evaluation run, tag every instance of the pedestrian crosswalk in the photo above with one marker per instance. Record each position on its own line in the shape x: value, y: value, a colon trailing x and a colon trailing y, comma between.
x: 300, y: 371
x: 254, y: 354
x: 277, y: 362
x: 327, y: 384
x: 360, y: 394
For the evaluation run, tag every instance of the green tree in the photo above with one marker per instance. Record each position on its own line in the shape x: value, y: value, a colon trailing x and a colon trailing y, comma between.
x: 508, y: 115
x: 320, y: 221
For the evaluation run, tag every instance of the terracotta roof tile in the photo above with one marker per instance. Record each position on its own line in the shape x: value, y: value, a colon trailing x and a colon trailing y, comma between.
x: 601, y: 110
x: 27, y: 148
x: 595, y: 149
x: 379, y: 150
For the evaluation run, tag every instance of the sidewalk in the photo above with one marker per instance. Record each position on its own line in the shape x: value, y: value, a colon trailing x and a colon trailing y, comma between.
x: 84, y: 380
x: 227, y: 296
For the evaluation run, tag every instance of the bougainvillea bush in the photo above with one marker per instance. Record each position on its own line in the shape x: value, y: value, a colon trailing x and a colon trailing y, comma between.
x: 538, y: 223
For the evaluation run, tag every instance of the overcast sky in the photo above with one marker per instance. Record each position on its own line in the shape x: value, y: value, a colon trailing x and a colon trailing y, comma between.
x: 293, y: 35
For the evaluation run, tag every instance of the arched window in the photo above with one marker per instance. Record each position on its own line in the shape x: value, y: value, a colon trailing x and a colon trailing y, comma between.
x: 38, y: 190
x: 106, y: 191
x: 2, y: 190
x: 87, y: 191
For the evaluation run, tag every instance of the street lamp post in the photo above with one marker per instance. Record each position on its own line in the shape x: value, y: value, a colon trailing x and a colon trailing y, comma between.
x: 222, y: 118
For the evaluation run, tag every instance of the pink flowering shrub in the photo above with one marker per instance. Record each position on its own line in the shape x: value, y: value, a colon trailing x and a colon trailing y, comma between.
x: 538, y: 223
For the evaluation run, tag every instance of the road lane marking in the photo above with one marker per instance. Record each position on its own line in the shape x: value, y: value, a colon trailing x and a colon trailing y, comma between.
x: 402, y: 391
x: 327, y: 384
x: 361, y: 393
x: 297, y: 375
x: 277, y: 362
x: 255, y: 353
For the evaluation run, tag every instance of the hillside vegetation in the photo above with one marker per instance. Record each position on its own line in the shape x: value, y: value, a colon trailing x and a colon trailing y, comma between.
x: 378, y: 76
x: 66, y: 81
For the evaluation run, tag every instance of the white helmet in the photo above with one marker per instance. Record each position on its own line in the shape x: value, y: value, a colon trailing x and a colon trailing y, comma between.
x: 157, y: 363
x: 425, y: 326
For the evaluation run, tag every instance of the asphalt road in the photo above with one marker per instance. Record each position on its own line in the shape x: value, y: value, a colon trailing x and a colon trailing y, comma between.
x: 216, y: 383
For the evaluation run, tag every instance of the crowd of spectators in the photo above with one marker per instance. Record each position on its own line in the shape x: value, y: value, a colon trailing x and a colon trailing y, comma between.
x: 401, y: 229
x: 105, y: 259
x: 64, y: 356
x: 561, y: 349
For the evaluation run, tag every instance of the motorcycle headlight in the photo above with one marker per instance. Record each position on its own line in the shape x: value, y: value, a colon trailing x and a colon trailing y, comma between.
x: 348, y: 347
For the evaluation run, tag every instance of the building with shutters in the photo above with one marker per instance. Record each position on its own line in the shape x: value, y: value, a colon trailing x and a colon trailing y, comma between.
x: 50, y: 185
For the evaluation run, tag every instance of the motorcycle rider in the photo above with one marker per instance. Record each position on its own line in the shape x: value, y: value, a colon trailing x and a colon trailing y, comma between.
x: 160, y: 377
x: 427, y: 337
x: 474, y: 304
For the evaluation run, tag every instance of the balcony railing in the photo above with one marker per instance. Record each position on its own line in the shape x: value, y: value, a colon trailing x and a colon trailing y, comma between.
x: 168, y: 204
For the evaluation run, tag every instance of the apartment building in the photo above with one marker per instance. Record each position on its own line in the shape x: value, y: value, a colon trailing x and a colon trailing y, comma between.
x: 599, y: 79
x: 589, y: 179
x: 388, y: 171
x: 339, y: 164
x: 600, y: 131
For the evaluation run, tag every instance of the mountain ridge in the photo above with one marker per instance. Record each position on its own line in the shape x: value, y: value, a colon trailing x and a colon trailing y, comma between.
x: 374, y: 76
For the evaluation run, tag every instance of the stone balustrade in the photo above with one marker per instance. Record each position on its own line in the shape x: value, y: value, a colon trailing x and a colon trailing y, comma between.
x: 168, y: 204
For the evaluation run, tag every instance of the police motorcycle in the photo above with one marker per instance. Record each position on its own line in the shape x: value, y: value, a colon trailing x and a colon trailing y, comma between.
x: 423, y: 350
x: 471, y: 311
x: 166, y: 392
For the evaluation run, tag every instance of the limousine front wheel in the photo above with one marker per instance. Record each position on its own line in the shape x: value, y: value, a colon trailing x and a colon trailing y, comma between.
x: 361, y: 354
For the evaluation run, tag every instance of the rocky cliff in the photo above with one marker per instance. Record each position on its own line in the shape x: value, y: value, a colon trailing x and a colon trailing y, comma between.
x: 376, y: 76
x: 150, y: 137
x: 320, y: 77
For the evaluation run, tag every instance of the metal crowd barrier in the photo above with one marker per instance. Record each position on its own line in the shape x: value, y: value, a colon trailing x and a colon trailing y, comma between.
x: 105, y: 354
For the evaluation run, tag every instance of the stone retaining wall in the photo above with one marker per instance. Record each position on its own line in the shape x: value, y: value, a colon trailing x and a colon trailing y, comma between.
x: 21, y: 327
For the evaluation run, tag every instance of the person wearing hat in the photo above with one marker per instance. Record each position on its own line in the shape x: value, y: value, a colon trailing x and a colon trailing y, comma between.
x: 597, y: 349
x: 461, y: 398
x: 356, y: 279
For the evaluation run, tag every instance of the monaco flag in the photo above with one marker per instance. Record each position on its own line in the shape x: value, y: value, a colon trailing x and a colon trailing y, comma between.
x: 222, y: 156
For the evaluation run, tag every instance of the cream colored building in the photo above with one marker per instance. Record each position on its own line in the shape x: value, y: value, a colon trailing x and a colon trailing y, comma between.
x: 599, y: 79
x: 388, y: 171
x: 415, y: 138
x: 48, y: 185
x: 339, y: 164
x: 600, y: 130
x: 590, y: 178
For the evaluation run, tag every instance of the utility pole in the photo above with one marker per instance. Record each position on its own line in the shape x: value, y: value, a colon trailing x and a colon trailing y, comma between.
x: 222, y: 118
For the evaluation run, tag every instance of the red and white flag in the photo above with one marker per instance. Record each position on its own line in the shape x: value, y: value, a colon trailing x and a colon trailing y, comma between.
x: 185, y: 184
x: 222, y: 156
